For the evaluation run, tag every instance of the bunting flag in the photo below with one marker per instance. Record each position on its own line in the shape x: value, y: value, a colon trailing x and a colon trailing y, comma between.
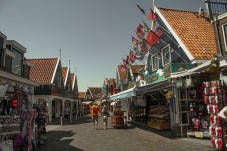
x: 155, y: 26
x: 125, y: 63
x: 135, y: 41
x: 139, y: 28
x: 152, y: 38
x: 159, y: 32
x: 140, y: 35
x: 152, y: 16
x: 123, y: 68
x: 145, y: 27
x: 147, y: 45
x: 141, y: 9
x: 133, y: 56
x: 142, y: 47
x: 128, y: 59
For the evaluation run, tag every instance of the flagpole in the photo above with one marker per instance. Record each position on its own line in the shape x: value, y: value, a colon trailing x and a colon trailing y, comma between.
x: 153, y: 4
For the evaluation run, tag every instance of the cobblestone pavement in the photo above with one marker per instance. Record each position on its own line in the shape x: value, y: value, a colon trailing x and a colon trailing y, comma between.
x: 80, y: 136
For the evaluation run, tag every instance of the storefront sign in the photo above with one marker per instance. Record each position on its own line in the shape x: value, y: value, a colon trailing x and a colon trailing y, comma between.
x: 199, y: 134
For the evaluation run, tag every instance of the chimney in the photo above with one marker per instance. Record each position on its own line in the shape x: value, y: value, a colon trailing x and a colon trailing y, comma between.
x: 201, y: 11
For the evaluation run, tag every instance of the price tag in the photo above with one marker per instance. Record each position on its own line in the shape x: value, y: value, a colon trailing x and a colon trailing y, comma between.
x: 199, y: 134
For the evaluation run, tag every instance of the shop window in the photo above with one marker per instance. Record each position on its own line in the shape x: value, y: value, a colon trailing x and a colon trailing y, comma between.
x: 166, y: 55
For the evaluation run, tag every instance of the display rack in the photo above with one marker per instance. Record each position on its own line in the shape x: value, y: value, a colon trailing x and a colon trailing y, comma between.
x: 118, y: 119
x: 214, y: 98
x: 159, y: 117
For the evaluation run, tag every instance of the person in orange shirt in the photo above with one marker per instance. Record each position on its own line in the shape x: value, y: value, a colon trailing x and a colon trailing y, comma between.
x: 95, y: 112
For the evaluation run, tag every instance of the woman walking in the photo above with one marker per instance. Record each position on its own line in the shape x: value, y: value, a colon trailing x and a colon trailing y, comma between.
x: 105, y: 115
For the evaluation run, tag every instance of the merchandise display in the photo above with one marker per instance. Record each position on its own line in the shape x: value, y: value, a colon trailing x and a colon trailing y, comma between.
x: 159, y: 117
x: 214, y: 97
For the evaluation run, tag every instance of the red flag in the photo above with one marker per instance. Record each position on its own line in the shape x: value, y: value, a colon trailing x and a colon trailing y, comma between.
x: 159, y: 32
x: 152, y: 16
x: 135, y: 41
x: 139, y: 28
x: 133, y: 56
x: 142, y: 10
x: 152, y: 38
x: 140, y: 35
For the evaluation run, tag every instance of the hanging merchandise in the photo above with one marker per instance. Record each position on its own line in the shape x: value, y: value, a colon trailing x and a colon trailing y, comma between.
x: 41, y: 122
x: 214, y: 98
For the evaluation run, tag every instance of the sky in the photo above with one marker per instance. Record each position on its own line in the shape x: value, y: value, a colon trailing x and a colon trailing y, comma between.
x: 93, y: 34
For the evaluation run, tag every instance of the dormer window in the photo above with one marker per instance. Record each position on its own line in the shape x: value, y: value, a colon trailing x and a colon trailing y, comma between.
x: 166, y: 55
x: 155, y: 62
x: 17, y: 62
x: 59, y: 80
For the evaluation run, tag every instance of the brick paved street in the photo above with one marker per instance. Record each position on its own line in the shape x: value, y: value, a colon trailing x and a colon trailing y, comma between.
x: 80, y: 136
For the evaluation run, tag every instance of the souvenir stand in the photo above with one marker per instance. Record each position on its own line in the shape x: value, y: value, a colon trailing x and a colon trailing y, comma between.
x: 118, y: 119
x: 15, y: 120
x: 215, y: 98
x: 41, y: 122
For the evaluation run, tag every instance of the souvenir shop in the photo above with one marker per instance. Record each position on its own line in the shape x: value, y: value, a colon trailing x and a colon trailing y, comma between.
x: 18, y: 131
x: 157, y: 108
x: 201, y: 97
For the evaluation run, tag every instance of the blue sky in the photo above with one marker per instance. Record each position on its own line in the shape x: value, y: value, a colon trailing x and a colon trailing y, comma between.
x: 93, y: 34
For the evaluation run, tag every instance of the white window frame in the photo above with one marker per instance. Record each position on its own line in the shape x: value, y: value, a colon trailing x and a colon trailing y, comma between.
x: 225, y: 35
x: 152, y: 60
x: 163, y: 58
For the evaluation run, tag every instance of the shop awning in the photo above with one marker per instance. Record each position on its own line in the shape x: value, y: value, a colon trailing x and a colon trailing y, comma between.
x: 124, y: 94
x: 205, y: 67
x: 153, y: 87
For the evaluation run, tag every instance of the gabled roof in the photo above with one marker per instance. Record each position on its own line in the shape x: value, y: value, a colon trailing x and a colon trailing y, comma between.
x: 111, y: 81
x: 43, y: 69
x: 194, y: 32
x: 81, y: 95
x: 73, y: 79
x: 65, y: 72
x: 134, y: 68
x: 137, y: 68
x: 121, y: 75
x: 95, y: 92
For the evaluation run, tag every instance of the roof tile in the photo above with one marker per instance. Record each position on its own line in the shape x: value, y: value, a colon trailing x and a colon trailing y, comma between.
x: 195, y: 31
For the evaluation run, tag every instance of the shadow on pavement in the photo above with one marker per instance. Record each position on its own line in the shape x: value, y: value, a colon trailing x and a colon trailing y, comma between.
x: 60, y: 141
x: 164, y: 133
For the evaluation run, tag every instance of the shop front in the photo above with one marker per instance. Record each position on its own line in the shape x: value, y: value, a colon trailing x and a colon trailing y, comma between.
x: 158, y: 113
x: 190, y: 99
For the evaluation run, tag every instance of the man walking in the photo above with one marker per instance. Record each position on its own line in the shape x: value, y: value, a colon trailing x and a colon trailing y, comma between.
x: 95, y: 112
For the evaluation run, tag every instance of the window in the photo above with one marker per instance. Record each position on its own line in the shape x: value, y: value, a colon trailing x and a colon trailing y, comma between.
x: 166, y: 55
x: 224, y: 27
x: 155, y: 62
x: 17, y: 62
x: 59, y: 80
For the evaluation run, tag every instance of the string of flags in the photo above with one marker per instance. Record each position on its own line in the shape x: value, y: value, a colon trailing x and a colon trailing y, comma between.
x: 146, y: 38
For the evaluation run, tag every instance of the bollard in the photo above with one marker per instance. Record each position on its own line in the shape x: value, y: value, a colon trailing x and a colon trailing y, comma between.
x: 61, y: 119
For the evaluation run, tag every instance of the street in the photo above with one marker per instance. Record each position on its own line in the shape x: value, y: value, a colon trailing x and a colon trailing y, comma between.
x: 80, y: 136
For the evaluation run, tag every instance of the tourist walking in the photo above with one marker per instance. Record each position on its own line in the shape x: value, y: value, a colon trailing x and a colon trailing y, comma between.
x: 95, y: 112
x: 105, y: 115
